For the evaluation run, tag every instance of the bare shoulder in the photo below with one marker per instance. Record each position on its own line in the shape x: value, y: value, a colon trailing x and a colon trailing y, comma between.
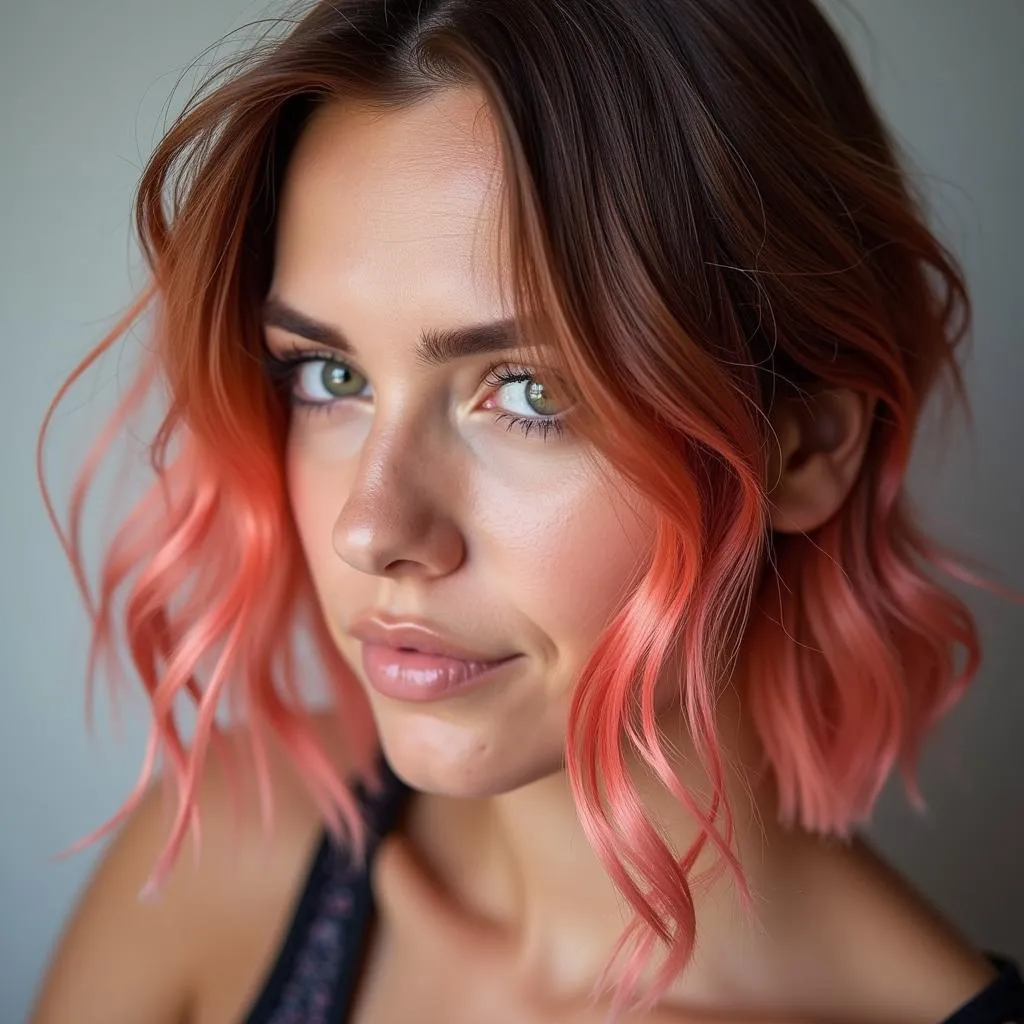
x: 906, y: 961
x: 198, y: 950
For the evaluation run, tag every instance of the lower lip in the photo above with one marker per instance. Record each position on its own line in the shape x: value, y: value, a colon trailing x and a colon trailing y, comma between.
x: 414, y: 676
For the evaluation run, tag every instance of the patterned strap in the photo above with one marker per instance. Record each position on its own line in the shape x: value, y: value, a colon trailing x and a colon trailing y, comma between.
x: 313, y: 978
x: 1002, y: 1002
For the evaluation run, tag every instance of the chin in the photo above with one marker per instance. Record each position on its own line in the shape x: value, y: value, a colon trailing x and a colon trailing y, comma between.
x: 434, y: 755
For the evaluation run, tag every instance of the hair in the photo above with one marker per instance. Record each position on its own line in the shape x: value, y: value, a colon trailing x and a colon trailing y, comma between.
x: 706, y: 215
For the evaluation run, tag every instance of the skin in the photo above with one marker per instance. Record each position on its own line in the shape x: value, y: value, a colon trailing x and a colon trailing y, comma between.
x: 413, y: 498
x: 507, y: 556
x: 416, y: 499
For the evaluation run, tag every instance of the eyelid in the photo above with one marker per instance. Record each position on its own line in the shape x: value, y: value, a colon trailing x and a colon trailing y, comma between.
x: 296, y: 352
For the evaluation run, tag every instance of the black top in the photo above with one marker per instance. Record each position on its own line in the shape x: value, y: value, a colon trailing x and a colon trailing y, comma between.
x: 314, y: 977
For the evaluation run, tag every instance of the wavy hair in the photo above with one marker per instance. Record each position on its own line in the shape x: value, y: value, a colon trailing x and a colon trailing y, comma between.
x: 705, y: 215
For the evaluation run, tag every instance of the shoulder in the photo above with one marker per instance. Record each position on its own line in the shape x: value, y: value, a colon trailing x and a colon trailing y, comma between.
x: 196, y: 949
x: 902, y: 959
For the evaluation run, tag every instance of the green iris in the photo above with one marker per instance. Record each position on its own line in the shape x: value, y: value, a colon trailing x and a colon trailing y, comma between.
x: 538, y: 401
x: 341, y: 381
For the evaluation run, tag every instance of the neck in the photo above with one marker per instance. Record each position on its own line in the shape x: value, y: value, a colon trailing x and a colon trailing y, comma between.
x: 522, y: 860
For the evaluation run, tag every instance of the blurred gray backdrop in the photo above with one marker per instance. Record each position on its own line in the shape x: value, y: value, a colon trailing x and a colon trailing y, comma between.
x: 85, y: 90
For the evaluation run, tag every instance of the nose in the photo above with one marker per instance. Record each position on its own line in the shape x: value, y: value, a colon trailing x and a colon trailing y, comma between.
x: 397, y: 519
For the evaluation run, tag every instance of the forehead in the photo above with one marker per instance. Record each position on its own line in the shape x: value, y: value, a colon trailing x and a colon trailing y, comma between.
x: 373, y: 202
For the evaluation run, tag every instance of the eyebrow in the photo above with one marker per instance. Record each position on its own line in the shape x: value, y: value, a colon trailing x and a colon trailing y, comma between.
x: 435, y: 346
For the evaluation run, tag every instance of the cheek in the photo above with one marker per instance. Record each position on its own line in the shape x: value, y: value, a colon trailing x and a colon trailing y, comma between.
x: 317, y: 492
x: 564, y: 559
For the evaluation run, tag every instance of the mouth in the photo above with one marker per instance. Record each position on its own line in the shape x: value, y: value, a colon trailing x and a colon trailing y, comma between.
x: 409, y: 674
x: 414, y: 659
x: 418, y: 636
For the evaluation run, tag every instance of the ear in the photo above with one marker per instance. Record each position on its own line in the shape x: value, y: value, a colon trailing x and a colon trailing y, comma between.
x: 816, y: 456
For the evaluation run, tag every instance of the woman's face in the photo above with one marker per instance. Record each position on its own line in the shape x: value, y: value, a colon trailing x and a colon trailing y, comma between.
x: 426, y: 487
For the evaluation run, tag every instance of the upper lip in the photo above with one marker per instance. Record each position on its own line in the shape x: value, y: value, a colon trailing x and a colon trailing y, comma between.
x: 417, y: 634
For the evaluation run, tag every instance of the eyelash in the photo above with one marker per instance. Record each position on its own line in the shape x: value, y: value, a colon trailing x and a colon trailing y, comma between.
x: 282, y: 372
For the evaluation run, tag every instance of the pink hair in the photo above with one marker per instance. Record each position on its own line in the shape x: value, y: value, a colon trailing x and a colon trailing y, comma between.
x: 785, y: 254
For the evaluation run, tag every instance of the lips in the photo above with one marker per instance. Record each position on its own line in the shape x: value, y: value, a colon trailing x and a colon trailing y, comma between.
x: 416, y: 662
x: 420, y: 636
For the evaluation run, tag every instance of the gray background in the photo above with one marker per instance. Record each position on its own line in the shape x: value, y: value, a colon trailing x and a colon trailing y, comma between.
x: 84, y: 90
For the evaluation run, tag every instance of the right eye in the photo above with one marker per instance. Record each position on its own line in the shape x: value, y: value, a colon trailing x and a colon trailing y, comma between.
x: 321, y: 381
x: 314, y: 380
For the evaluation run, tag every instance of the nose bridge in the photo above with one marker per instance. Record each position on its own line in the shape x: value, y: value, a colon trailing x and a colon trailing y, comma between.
x: 394, y: 515
x: 386, y: 477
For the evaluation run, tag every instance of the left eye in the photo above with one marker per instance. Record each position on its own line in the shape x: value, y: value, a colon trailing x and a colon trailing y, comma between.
x: 523, y: 393
x: 528, y: 398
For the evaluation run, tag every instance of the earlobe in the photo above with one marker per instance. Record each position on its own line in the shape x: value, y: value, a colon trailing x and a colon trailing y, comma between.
x: 817, y: 457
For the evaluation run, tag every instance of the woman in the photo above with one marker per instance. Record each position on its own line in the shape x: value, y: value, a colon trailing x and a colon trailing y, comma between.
x: 554, y: 367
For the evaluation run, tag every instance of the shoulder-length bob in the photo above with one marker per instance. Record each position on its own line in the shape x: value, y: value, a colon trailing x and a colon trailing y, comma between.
x: 705, y: 215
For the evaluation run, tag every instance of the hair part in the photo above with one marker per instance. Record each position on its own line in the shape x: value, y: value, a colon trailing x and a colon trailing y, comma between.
x: 705, y: 214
